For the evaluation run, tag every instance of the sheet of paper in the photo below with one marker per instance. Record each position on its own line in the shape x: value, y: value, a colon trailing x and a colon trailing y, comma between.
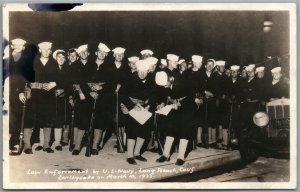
x: 141, y: 116
x: 165, y: 110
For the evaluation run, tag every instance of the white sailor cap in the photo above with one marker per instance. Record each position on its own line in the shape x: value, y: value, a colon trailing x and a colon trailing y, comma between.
x: 103, y: 48
x: 163, y: 62
x: 56, y: 52
x: 45, y: 45
x: 133, y: 59
x: 143, y: 65
x: 172, y: 57
x: 197, y: 58
x: 152, y: 60
x: 276, y: 70
x: 146, y: 51
x: 259, y: 69
x: 181, y: 61
x: 161, y: 78
x: 250, y: 67
x: 220, y: 63
x: 234, y: 67
x: 82, y: 48
x: 18, y: 41
x: 118, y: 50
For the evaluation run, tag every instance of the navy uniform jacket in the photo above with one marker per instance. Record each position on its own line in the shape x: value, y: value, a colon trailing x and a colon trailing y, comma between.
x: 278, y: 90
x: 252, y: 90
x: 234, y: 89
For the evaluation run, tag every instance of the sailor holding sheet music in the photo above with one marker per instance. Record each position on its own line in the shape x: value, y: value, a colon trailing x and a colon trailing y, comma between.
x: 178, y: 123
x: 136, y: 105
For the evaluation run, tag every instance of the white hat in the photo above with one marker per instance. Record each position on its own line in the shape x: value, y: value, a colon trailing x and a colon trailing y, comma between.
x: 18, y: 41
x: 161, y: 78
x: 45, y: 45
x: 142, y: 65
x: 146, y: 51
x: 103, y: 48
x: 82, y: 48
x: 163, y: 62
x: 276, y: 70
x: 172, y: 57
x: 234, y: 67
x: 118, y: 50
x: 250, y: 67
x: 197, y: 58
x: 152, y: 60
x: 259, y: 69
x: 57, y: 51
x: 133, y: 59
x: 181, y: 61
x: 220, y: 63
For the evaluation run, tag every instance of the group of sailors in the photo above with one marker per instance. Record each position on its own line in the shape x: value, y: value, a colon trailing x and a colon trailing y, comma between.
x: 66, y: 90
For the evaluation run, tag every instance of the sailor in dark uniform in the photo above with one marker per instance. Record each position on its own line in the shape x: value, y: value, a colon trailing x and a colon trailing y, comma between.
x: 131, y: 63
x: 72, y: 59
x: 221, y: 98
x: 251, y: 96
x: 179, y: 121
x: 182, y: 65
x: 43, y: 89
x: 19, y: 90
x: 137, y: 97
x: 82, y: 96
x: 162, y: 65
x: 117, y: 71
x: 209, y: 109
x: 263, y: 81
x: 99, y: 84
x: 234, y: 91
x: 278, y: 88
x: 195, y: 88
x: 61, y: 96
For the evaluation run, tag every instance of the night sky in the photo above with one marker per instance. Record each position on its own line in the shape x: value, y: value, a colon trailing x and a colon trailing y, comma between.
x: 234, y: 36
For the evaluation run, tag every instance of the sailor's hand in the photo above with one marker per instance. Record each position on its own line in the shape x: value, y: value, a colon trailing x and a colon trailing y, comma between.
x: 208, y: 94
x: 76, y: 87
x: 175, y: 106
x: 124, y: 109
x: 94, y: 95
x: 22, y: 97
x: 71, y: 101
x: 147, y: 108
x: 160, y: 106
x: 96, y: 87
x: 198, y: 101
x: 137, y: 107
x: 117, y: 88
x: 59, y: 92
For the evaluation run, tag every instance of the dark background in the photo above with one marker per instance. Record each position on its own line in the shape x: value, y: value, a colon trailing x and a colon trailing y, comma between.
x: 235, y: 36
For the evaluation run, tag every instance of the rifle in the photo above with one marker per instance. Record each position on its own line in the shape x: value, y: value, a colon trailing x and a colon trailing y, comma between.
x: 120, y: 141
x: 230, y: 127
x: 21, y: 137
x: 156, y: 136
x: 90, y: 132
x: 204, y: 136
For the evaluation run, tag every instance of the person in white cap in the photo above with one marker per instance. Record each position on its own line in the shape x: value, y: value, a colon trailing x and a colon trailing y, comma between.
x: 131, y: 63
x: 182, y: 66
x: 277, y: 88
x: 83, y: 52
x: 20, y: 71
x: 263, y: 81
x: 162, y: 64
x: 172, y: 61
x: 207, y: 132
x: 179, y: 122
x: 235, y: 86
x: 251, y: 96
x: 99, y: 80
x: 138, y: 97
x: 194, y: 74
x: 61, y: 95
x: 260, y: 72
x: 221, y: 99
x: 44, y: 67
x: 146, y: 53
